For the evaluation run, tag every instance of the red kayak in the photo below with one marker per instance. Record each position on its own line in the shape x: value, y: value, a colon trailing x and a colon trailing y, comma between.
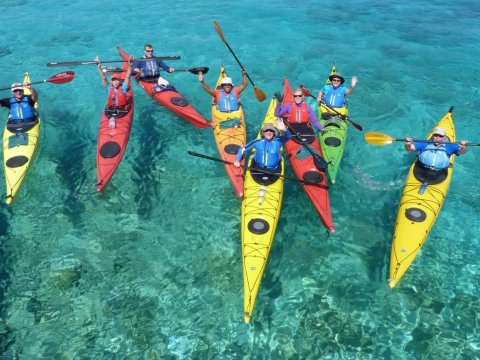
x: 172, y: 100
x: 115, y: 127
x: 303, y: 164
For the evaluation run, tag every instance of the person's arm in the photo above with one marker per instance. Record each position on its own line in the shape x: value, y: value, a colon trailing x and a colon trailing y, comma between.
x: 241, y: 152
x: 164, y: 66
x: 409, y: 145
x: 129, y: 72
x: 314, y: 120
x: 204, y: 85
x: 244, y: 81
x: 463, y: 147
x: 287, y: 135
x: 282, y: 110
x: 5, y: 102
x: 33, y: 92
x: 101, y: 73
x: 352, y: 85
x: 320, y: 96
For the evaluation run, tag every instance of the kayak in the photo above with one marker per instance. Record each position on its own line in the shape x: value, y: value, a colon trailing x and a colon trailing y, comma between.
x: 303, y: 165
x: 171, y: 99
x: 417, y: 212
x: 333, y: 140
x: 261, y: 205
x: 19, y: 146
x: 113, y: 135
x: 230, y: 133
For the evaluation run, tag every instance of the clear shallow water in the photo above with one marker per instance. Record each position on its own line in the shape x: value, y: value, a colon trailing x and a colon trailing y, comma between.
x: 151, y: 269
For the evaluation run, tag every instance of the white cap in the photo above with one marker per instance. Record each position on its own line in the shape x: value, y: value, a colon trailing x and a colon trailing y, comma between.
x: 16, y: 86
x: 440, y: 131
x: 227, y: 80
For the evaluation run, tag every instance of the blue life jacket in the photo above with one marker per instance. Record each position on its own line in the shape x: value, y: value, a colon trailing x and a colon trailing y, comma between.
x: 227, y: 103
x: 21, y: 110
x: 435, y: 157
x: 334, y: 97
x: 150, y: 68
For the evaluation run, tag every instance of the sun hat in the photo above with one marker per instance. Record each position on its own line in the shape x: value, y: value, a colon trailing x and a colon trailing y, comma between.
x: 16, y: 86
x: 270, y: 127
x: 439, y: 131
x: 227, y: 81
x: 338, y: 76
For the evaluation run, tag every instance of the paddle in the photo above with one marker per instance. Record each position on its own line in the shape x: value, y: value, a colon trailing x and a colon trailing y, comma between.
x: 259, y: 94
x: 88, y: 62
x: 343, y: 117
x: 194, y: 70
x: 376, y: 138
x: 257, y: 169
x: 319, y: 162
x: 60, y: 78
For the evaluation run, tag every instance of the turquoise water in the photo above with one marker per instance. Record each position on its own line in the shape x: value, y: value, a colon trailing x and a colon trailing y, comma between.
x: 151, y: 268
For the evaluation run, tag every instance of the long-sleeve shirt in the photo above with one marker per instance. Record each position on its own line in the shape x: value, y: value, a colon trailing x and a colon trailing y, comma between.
x: 282, y: 110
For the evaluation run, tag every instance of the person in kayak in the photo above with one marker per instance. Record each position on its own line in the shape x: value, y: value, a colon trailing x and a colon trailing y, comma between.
x: 117, y: 90
x: 267, y: 154
x: 149, y: 70
x: 227, y: 96
x: 22, y: 107
x: 298, y: 112
x: 334, y: 94
x: 435, y: 155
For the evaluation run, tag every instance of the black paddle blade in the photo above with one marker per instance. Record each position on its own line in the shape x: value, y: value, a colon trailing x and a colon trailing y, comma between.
x: 320, y: 162
x: 198, y: 69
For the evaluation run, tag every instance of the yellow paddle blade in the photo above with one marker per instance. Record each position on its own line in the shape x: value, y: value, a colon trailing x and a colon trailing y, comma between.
x: 375, y: 138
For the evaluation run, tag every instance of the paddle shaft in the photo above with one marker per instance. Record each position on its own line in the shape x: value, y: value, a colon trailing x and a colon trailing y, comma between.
x: 256, y: 169
x: 60, y: 78
x: 72, y: 63
x: 343, y: 117
x: 427, y: 141
x: 318, y: 160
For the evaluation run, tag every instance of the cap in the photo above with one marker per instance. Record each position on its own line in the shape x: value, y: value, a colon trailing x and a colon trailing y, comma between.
x: 16, y: 86
x: 227, y: 80
x: 439, y: 131
x: 115, y: 76
x: 270, y: 127
x: 338, y: 76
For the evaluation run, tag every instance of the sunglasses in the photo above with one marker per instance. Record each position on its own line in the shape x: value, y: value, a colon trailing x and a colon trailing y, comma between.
x: 438, y: 135
x: 268, y: 131
x: 150, y: 51
x: 336, y: 80
x: 297, y: 96
x: 17, y: 90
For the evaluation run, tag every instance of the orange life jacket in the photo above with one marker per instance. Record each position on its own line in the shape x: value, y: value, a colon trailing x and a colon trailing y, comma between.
x: 298, y: 114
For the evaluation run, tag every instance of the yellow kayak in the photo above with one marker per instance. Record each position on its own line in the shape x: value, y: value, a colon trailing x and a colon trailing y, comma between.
x: 417, y: 212
x: 230, y: 135
x: 19, y: 146
x: 261, y: 205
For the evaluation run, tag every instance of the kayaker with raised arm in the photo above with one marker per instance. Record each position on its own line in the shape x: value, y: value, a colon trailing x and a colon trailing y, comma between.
x: 334, y: 94
x: 227, y: 96
x: 149, y: 70
x: 117, y: 90
x: 22, y: 107
x: 435, y: 155
x: 299, y: 112
x: 267, y: 148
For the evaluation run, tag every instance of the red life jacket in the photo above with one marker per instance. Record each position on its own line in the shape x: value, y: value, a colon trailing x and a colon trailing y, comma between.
x: 298, y: 114
x: 117, y: 99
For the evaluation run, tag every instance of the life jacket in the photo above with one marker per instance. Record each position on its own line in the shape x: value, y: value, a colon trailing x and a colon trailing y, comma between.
x: 116, y: 99
x: 334, y: 97
x: 435, y: 157
x: 227, y: 103
x: 150, y: 68
x: 21, y: 110
x: 299, y: 114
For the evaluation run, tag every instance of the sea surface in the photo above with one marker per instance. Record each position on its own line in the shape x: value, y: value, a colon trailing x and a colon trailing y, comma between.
x: 151, y: 268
